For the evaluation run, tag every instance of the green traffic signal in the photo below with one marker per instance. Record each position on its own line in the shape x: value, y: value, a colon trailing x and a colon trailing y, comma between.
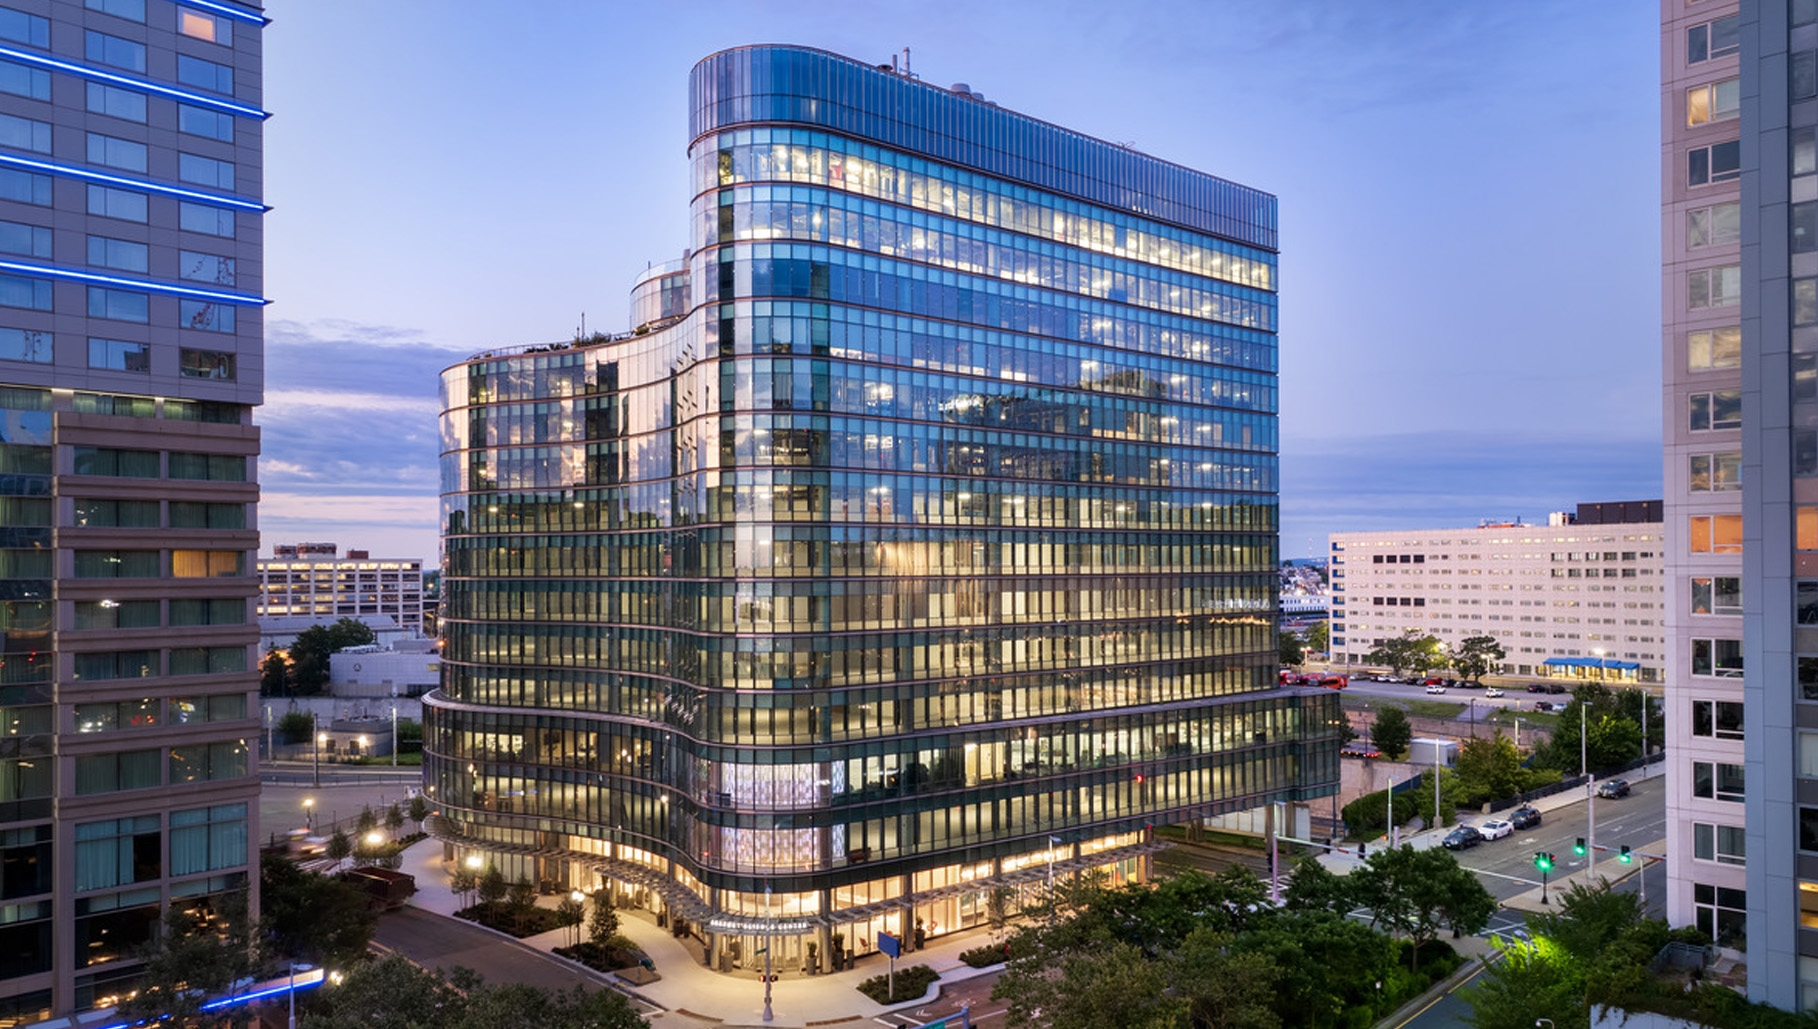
x: 1543, y: 861
x: 1579, y: 848
x: 1626, y: 856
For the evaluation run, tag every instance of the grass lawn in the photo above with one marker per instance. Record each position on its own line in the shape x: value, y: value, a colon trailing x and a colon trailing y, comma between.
x: 1432, y: 708
x: 1529, y: 720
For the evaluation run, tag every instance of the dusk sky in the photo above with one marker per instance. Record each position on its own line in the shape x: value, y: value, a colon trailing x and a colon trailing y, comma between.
x: 1469, y: 208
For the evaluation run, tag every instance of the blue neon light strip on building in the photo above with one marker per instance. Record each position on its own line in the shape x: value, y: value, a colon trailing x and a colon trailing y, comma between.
x: 74, y: 172
x: 231, y: 12
x: 148, y: 285
x: 306, y: 981
x: 144, y: 85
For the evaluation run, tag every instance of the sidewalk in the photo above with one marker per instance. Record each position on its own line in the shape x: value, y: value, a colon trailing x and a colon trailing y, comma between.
x: 691, y: 995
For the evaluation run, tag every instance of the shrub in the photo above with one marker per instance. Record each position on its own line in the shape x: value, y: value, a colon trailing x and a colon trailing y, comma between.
x: 986, y: 956
x: 911, y: 983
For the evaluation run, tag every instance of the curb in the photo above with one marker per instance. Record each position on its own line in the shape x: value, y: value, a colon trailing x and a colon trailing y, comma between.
x: 1407, y: 1012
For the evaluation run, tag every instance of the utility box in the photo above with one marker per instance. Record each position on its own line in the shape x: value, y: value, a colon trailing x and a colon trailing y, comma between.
x: 1421, y: 753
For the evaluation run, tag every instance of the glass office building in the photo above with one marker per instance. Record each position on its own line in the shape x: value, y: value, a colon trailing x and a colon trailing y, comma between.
x: 920, y: 539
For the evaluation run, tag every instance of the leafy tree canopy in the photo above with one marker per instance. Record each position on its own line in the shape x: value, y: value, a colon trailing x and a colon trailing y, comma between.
x: 1476, y: 656
x: 1391, y: 733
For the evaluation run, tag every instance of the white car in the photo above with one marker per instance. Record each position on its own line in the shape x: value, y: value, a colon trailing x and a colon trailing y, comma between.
x: 1436, y: 689
x: 1492, y: 692
x: 1496, y: 828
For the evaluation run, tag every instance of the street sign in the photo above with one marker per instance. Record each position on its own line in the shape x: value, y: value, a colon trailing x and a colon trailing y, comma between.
x: 890, y: 945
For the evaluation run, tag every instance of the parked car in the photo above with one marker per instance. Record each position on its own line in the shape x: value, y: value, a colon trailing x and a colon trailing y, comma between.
x: 1613, y: 788
x: 1436, y: 688
x: 1433, y: 680
x: 1542, y: 705
x: 1556, y: 688
x: 1496, y: 828
x: 1492, y: 692
x: 1462, y: 837
x: 1524, y: 817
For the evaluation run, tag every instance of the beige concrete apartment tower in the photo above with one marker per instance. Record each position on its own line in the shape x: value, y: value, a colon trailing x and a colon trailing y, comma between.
x: 130, y: 362
x: 1701, y: 164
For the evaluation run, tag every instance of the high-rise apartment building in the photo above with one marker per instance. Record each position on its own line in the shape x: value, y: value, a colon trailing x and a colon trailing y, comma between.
x: 920, y: 540
x: 130, y: 342
x: 1580, y: 597
x: 1702, y: 357
x: 312, y: 580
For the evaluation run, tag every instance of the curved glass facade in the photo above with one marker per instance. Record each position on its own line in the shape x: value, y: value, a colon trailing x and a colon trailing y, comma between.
x: 923, y: 533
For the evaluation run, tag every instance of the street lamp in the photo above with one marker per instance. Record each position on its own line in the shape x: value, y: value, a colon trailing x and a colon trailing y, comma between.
x: 315, y: 755
x: 309, y: 814
x: 474, y: 862
x: 293, y: 991
x: 579, y: 898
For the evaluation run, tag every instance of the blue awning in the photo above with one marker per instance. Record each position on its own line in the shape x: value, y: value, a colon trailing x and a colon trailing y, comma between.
x: 1592, y: 662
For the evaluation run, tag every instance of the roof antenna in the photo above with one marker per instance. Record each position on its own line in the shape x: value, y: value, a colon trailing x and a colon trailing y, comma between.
x: 893, y: 67
x: 906, y: 71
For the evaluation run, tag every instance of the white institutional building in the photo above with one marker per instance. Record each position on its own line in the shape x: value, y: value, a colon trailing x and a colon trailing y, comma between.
x: 1579, y: 596
x: 312, y: 581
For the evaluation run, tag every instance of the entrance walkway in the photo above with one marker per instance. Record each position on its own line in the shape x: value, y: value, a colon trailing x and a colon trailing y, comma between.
x: 691, y: 995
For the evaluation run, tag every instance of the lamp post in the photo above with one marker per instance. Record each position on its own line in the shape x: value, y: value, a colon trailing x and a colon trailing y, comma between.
x: 1590, y: 789
x: 315, y: 753
x: 394, y: 734
x: 579, y: 898
x: 309, y: 814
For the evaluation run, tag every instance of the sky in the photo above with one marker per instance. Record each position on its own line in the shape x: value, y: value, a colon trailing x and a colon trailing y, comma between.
x: 1469, y: 212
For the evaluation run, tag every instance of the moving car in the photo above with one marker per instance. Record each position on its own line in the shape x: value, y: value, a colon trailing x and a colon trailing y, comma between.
x: 1462, y: 837
x: 1541, y: 705
x: 1524, y: 817
x: 1613, y: 788
x: 1436, y: 688
x: 1496, y: 828
x: 1492, y: 692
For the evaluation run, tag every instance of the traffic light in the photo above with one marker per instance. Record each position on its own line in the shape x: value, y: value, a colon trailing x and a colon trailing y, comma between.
x: 1626, y: 856
x: 1543, y: 861
x: 1578, y: 848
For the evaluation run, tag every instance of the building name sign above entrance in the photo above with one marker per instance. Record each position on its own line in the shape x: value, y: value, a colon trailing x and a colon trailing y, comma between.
x: 757, y: 925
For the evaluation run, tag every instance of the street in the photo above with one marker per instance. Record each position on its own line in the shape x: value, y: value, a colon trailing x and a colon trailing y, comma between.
x: 436, y: 941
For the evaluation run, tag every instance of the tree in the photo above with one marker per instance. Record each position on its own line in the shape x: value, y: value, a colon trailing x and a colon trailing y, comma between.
x: 202, y: 951
x: 1489, y: 768
x: 1419, y: 892
x: 393, y: 993
x: 1314, y: 887
x: 274, y: 675
x: 462, y: 882
x: 1319, y: 637
x: 521, y: 895
x: 604, y: 924
x: 310, y: 652
x: 1612, y: 732
x: 1288, y: 646
x: 295, y: 726
x: 1224, y: 988
x: 367, y: 822
x: 419, y: 809
x: 311, y: 917
x: 394, y: 818
x: 1328, y: 968
x: 1411, y: 650
x: 1392, y: 733
x: 1112, y: 987
x: 1476, y: 656
x: 492, y: 886
x: 570, y: 913
x: 1428, y: 653
x: 339, y: 846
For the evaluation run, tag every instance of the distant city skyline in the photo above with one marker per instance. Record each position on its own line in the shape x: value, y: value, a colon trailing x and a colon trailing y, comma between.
x: 1469, y: 276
